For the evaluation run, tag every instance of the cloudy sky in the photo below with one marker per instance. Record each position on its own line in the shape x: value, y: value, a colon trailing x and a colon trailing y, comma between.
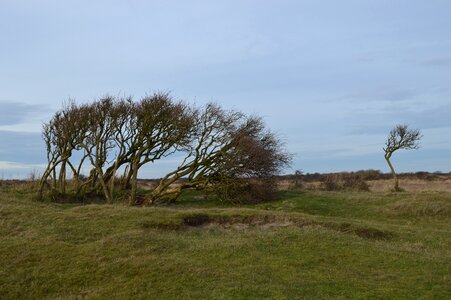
x: 331, y: 77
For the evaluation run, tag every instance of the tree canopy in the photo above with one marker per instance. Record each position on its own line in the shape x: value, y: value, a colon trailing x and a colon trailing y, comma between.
x: 219, y: 148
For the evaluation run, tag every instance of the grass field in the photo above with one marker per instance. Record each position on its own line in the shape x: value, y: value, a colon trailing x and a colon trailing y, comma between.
x: 308, y: 244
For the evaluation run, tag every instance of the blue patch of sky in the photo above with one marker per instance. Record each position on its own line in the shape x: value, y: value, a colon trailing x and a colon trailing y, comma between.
x: 331, y: 77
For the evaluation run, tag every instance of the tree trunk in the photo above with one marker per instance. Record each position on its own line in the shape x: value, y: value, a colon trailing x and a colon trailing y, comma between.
x: 111, y: 182
x: 134, y: 184
x: 104, y: 186
x: 75, y: 182
x: 54, y: 179
x: 396, y: 187
x: 161, y: 189
x: 128, y: 173
x: 50, y: 169
x: 62, y: 179
x: 106, y: 192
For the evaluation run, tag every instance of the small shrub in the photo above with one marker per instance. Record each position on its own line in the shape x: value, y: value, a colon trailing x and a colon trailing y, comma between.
x: 331, y: 182
x: 397, y: 189
x: 33, y: 176
x: 246, y: 191
x: 344, y: 181
x: 371, y: 174
x: 354, y: 181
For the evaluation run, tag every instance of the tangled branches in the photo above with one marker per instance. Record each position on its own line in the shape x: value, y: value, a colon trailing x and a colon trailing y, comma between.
x: 220, y: 148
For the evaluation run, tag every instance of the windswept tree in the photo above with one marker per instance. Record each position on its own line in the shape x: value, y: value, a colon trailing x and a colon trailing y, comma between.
x: 221, y: 148
x: 400, y: 137
x: 210, y: 137
x: 162, y: 126
x: 104, y: 120
x: 247, y: 170
x: 226, y: 148
x: 62, y: 136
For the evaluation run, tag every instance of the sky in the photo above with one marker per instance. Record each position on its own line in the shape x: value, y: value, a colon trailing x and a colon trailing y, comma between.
x: 331, y: 78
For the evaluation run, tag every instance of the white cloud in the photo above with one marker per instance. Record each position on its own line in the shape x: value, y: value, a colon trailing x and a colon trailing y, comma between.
x: 8, y: 165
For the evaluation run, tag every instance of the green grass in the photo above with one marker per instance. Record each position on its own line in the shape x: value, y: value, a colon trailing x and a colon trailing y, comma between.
x: 305, y: 245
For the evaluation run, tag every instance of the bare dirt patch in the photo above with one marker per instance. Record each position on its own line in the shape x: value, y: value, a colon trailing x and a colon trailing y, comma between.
x: 241, y: 222
x: 268, y: 222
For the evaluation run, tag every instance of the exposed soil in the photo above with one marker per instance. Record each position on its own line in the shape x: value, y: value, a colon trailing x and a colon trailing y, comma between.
x: 267, y: 222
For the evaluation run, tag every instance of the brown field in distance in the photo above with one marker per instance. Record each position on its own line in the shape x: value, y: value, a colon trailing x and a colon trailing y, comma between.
x: 412, y: 185
x: 421, y: 182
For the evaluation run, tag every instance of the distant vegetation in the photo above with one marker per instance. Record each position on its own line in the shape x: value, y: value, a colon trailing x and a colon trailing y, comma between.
x: 368, y: 175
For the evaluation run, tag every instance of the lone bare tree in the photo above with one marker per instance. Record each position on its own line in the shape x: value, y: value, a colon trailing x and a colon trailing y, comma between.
x: 400, y: 137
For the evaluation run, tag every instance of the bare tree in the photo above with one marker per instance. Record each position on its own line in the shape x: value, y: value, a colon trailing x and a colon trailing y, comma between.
x: 61, y: 136
x: 226, y: 148
x: 400, y: 137
x: 162, y: 127
x: 247, y: 171
x: 99, y: 144
x: 84, y: 133
x: 209, y: 139
x: 298, y: 178
x: 220, y: 147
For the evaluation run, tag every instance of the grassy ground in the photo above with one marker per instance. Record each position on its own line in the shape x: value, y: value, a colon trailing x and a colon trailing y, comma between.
x: 305, y: 245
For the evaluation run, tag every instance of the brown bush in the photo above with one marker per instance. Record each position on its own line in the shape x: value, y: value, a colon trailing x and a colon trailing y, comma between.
x: 344, y: 181
x: 331, y: 182
x: 246, y: 191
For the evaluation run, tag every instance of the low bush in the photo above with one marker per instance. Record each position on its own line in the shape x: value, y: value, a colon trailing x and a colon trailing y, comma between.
x: 344, y: 181
x: 246, y: 191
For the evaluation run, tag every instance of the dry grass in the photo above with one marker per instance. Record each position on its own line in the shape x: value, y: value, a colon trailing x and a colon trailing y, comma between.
x: 384, y: 185
x: 412, y: 185
x: 286, y: 184
x: 421, y: 205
